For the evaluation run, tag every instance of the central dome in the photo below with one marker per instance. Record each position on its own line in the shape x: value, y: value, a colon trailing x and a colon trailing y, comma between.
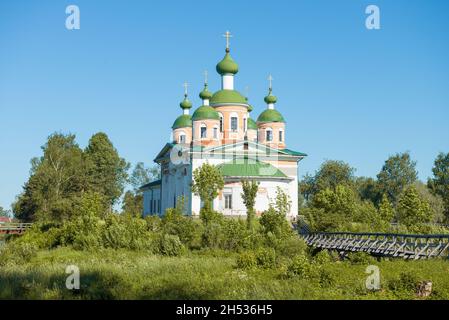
x: 228, y: 96
x: 183, y: 121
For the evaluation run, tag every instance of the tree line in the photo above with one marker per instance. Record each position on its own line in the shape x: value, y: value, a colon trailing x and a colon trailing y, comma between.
x: 334, y: 199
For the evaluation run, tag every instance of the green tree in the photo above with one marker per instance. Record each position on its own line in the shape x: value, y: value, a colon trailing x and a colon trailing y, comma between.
x: 411, y: 209
x: 273, y: 220
x: 107, y: 172
x: 142, y: 175
x: 334, y: 173
x: 207, y: 182
x: 56, y: 179
x: 386, y: 210
x: 249, y: 194
x: 397, y: 173
x: 133, y: 203
x: 435, y: 201
x: 368, y: 189
x: 439, y: 184
x: 4, y: 213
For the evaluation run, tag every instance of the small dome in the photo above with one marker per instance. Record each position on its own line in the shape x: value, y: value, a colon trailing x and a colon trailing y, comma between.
x: 227, y: 65
x: 185, y: 104
x: 252, y: 124
x: 227, y: 96
x: 270, y: 115
x: 182, y: 121
x: 270, y: 98
x: 205, y: 94
x: 205, y: 113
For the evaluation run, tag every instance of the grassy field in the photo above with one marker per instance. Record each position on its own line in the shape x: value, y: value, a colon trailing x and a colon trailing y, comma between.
x: 121, y: 274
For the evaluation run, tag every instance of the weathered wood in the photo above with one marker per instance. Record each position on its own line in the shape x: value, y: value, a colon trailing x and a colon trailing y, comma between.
x: 406, y: 246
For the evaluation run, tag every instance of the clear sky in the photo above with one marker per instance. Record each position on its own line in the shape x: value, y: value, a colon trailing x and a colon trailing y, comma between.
x: 346, y: 92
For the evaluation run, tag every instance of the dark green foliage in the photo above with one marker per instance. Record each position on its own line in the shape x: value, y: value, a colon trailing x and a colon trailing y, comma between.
x: 301, y: 267
x: 360, y: 258
x: 406, y: 283
x: 397, y: 173
x: 133, y: 203
x: 439, y: 184
x: 412, y: 210
x: 106, y: 171
x: 170, y: 245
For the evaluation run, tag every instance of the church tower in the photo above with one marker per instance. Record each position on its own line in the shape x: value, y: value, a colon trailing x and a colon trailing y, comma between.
x: 231, y: 106
x: 182, y: 127
x: 270, y: 123
x: 206, y: 121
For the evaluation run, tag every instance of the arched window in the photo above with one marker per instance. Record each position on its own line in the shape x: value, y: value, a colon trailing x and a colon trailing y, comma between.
x: 203, y: 131
x: 281, y: 135
x: 221, y: 122
x: 234, y: 125
x: 244, y: 124
x: 215, y: 130
x: 269, y: 134
x: 182, y: 137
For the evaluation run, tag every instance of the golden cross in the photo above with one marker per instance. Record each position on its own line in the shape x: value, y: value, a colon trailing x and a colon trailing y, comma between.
x: 185, y: 85
x: 227, y: 35
x: 205, y: 76
x: 270, y: 80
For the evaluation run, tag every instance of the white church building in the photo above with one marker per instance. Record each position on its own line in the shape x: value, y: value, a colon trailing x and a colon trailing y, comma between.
x: 221, y: 132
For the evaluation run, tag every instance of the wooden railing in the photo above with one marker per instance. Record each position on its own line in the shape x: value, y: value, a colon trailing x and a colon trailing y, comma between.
x: 14, y: 228
x: 407, y: 246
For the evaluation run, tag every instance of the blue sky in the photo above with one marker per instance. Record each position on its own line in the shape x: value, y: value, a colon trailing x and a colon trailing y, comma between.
x: 346, y: 92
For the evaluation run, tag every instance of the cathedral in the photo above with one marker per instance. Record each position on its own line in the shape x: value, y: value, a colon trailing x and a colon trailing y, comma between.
x: 222, y: 132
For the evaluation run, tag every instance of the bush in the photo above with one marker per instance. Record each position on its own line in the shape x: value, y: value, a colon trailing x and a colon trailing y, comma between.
x: 300, y: 267
x: 326, y: 278
x: 246, y: 260
x: 275, y: 223
x: 170, y: 245
x: 126, y: 232
x: 322, y: 258
x: 188, y: 230
x: 407, y: 282
x: 266, y: 258
x: 291, y: 247
x: 360, y: 258
x: 17, y: 253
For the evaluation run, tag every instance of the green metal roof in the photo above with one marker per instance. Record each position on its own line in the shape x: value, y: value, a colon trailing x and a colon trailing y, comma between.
x: 182, y: 121
x: 205, y: 112
x: 293, y: 153
x: 249, y: 168
x: 252, y: 124
x: 228, y: 96
x: 270, y: 115
x: 227, y: 65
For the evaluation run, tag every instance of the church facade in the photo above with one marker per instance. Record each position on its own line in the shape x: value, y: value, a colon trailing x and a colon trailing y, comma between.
x: 222, y: 132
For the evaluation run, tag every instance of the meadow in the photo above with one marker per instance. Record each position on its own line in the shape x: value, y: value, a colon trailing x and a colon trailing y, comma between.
x: 211, y: 274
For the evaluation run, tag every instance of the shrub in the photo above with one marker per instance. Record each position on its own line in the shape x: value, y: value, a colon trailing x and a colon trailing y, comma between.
x: 326, y: 278
x: 407, y: 282
x: 322, y: 258
x: 246, y: 260
x: 360, y: 258
x: 300, y: 267
x: 126, y: 232
x: 291, y: 247
x: 275, y: 223
x: 266, y: 257
x: 170, y: 245
x: 17, y: 252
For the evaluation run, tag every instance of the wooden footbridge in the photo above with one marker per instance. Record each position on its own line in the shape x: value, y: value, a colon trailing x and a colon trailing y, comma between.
x: 14, y: 228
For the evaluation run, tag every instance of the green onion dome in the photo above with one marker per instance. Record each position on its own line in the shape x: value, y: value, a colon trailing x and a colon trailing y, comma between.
x: 227, y: 65
x: 205, y: 94
x: 205, y: 113
x: 270, y: 98
x: 227, y: 96
x: 182, y: 121
x: 270, y: 115
x: 185, y: 104
x: 252, y: 124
